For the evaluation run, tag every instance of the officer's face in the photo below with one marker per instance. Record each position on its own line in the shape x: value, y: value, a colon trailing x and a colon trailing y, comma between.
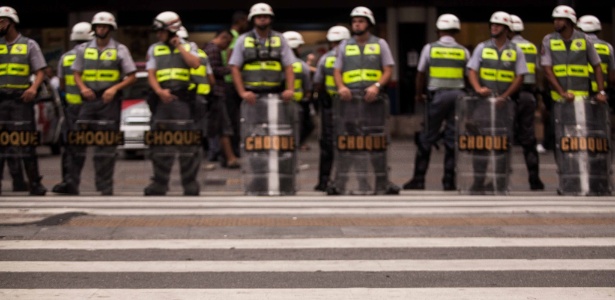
x: 162, y: 35
x: 497, y: 30
x: 559, y: 24
x: 359, y: 25
x: 102, y: 30
x: 262, y: 22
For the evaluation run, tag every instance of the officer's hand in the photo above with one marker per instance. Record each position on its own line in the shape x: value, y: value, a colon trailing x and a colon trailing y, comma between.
x: 420, y: 98
x: 28, y: 95
x: 484, y: 91
x: 345, y: 93
x: 109, y: 95
x: 601, y: 97
x: 88, y: 94
x: 371, y: 93
x: 174, y: 41
x: 568, y: 96
x: 500, y: 101
x: 166, y: 96
x: 287, y: 95
x: 248, y: 96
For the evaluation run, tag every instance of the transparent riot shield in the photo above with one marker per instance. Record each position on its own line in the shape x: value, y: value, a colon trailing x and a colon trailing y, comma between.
x: 93, y: 146
x: 18, y: 142
x: 361, y: 142
x: 483, y: 145
x: 168, y: 141
x: 269, y: 137
x: 583, y: 147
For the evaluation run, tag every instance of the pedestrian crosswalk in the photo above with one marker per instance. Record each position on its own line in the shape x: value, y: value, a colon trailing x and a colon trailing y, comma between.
x: 420, y: 246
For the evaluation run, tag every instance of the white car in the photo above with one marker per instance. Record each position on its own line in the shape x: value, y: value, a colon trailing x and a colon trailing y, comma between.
x: 136, y: 115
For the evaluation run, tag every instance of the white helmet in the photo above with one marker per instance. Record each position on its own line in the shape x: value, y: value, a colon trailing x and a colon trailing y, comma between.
x: 82, y: 31
x: 448, y: 22
x: 260, y: 9
x: 104, y: 18
x: 338, y: 33
x: 293, y: 38
x: 362, y: 11
x: 182, y: 32
x: 517, y: 23
x: 565, y: 11
x: 167, y: 20
x: 589, y: 24
x: 500, y: 17
x: 9, y: 12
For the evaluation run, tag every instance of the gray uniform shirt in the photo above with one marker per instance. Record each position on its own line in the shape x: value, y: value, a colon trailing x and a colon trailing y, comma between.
x: 424, y: 59
x: 123, y: 56
x: 476, y: 59
x: 545, y: 53
x: 385, y: 54
x: 60, y: 70
x: 237, y: 57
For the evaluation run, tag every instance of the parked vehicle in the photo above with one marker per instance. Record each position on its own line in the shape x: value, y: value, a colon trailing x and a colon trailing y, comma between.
x: 49, y: 116
x: 136, y: 115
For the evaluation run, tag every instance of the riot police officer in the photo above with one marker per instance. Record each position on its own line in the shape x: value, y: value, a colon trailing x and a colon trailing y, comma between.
x: 364, y: 66
x: 525, y: 106
x: 169, y: 62
x: 17, y: 93
x: 80, y: 34
x: 261, y: 65
x: 444, y: 63
x: 101, y: 70
x: 324, y: 85
x: 592, y: 26
x: 496, y: 69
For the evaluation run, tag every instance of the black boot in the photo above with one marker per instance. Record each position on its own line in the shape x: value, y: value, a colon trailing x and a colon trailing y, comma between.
x: 155, y: 189
x: 37, y: 188
x: 65, y: 188
x: 448, y: 181
x: 20, y: 185
x: 532, y: 163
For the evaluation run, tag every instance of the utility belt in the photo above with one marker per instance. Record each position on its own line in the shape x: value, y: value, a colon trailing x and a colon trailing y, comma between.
x: 183, y: 94
x: 101, y: 92
x: 272, y: 90
x: 530, y: 88
x: 10, y: 94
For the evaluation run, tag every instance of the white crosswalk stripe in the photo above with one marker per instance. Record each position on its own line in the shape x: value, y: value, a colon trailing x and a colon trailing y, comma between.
x: 385, y: 261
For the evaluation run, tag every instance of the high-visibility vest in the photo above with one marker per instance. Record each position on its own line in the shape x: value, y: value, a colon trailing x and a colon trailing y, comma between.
x: 570, y: 65
x: 262, y: 67
x: 299, y: 79
x: 171, y: 70
x: 14, y: 65
x: 497, y: 68
x: 199, y: 78
x: 604, y: 51
x: 362, y: 67
x: 446, y: 66
x: 101, y: 70
x: 530, y: 52
x: 73, y: 94
x: 330, y: 58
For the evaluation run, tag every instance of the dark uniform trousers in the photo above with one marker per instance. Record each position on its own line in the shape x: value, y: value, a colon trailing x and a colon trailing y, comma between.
x: 176, y: 115
x: 525, y: 108
x: 71, y: 114
x: 96, y: 115
x: 326, y: 141
x: 440, y: 108
x: 18, y: 115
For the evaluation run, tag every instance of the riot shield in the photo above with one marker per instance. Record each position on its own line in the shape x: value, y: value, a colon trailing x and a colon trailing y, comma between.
x: 483, y: 145
x: 168, y: 140
x: 583, y: 147
x: 18, y: 141
x: 269, y: 138
x: 361, y: 143
x: 93, y: 146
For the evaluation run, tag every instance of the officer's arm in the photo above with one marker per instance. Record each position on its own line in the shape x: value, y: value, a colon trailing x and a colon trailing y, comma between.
x: 289, y: 75
x: 514, y: 87
x: 237, y: 80
x: 337, y: 76
x: 599, y: 76
x: 191, y: 59
x: 473, y: 79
